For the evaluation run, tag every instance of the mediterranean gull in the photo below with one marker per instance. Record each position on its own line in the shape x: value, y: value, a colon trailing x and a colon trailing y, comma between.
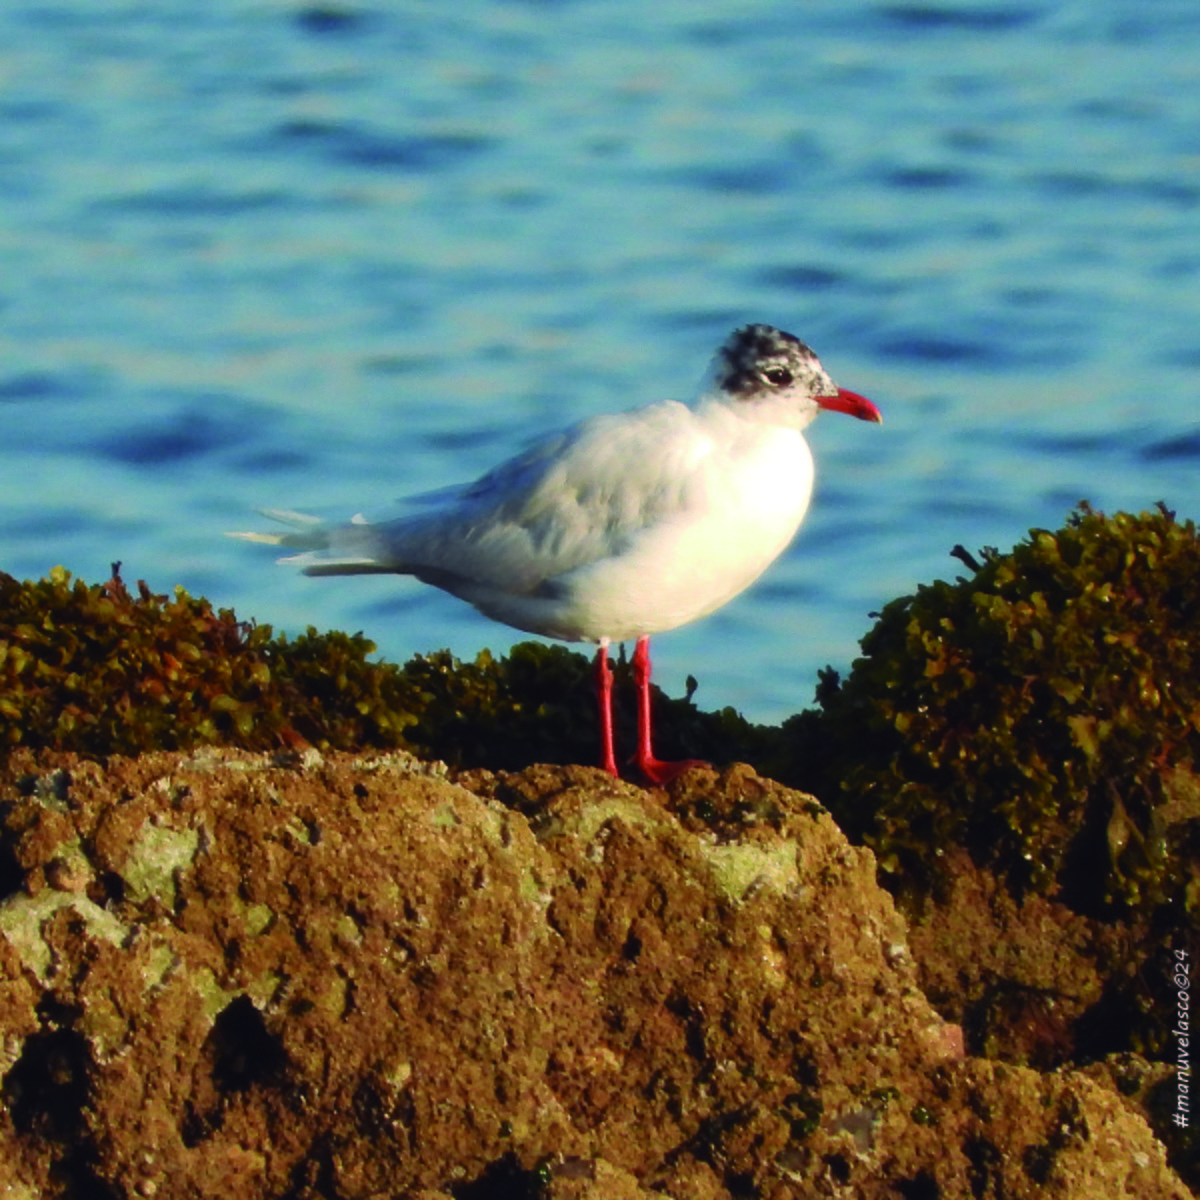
x: 620, y: 526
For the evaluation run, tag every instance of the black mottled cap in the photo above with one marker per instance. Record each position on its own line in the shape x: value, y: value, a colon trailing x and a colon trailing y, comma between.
x: 752, y: 351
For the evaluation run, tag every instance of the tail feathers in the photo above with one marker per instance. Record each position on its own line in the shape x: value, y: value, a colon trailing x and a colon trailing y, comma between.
x: 353, y: 549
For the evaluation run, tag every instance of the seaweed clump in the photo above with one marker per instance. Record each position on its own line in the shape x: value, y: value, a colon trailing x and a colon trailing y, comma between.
x: 1043, y: 713
x: 94, y: 669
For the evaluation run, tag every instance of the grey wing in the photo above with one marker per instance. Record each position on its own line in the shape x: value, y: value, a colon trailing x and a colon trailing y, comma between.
x: 569, y: 499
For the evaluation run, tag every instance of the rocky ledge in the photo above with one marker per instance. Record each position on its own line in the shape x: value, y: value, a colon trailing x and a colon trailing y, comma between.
x: 236, y: 975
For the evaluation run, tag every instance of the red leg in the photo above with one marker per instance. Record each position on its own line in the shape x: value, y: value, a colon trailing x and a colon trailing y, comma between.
x: 604, y: 682
x: 654, y: 769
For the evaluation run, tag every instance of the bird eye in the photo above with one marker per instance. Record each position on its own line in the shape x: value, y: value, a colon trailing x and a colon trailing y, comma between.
x: 778, y: 376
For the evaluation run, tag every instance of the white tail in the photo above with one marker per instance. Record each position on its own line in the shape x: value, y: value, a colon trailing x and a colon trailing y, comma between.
x: 356, y: 548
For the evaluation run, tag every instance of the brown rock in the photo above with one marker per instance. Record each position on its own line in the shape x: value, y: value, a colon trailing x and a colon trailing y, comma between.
x: 357, y: 979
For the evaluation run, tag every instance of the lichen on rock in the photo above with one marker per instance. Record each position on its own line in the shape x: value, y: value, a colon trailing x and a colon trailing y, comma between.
x: 365, y: 980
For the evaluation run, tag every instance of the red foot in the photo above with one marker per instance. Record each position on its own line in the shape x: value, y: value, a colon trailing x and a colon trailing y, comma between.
x: 661, y: 773
x: 657, y: 771
x: 654, y: 769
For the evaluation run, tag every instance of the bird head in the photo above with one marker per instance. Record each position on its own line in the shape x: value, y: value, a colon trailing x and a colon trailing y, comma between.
x: 772, y: 377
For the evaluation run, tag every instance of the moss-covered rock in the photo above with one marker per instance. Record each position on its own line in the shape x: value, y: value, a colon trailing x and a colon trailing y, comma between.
x: 1044, y: 712
x: 371, y: 981
x: 1019, y: 748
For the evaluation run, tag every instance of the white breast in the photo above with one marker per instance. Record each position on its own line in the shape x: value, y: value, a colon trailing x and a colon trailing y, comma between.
x: 745, y: 500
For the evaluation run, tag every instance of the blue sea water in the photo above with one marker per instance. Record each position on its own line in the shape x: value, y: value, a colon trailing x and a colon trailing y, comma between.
x: 259, y: 253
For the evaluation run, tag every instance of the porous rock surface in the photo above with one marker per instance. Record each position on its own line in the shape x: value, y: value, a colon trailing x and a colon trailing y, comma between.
x: 227, y: 975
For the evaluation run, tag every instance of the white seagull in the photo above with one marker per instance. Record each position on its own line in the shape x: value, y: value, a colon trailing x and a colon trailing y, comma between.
x: 620, y: 526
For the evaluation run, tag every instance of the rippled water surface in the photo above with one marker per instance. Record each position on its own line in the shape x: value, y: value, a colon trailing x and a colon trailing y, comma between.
x: 268, y: 254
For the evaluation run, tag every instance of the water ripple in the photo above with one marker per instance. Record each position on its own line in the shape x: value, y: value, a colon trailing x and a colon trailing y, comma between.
x: 324, y: 255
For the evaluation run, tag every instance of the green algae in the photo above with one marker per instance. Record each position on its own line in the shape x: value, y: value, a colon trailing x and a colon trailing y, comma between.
x: 1043, y: 712
x: 98, y: 670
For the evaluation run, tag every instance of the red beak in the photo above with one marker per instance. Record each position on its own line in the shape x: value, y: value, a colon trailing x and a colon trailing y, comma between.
x: 852, y: 403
